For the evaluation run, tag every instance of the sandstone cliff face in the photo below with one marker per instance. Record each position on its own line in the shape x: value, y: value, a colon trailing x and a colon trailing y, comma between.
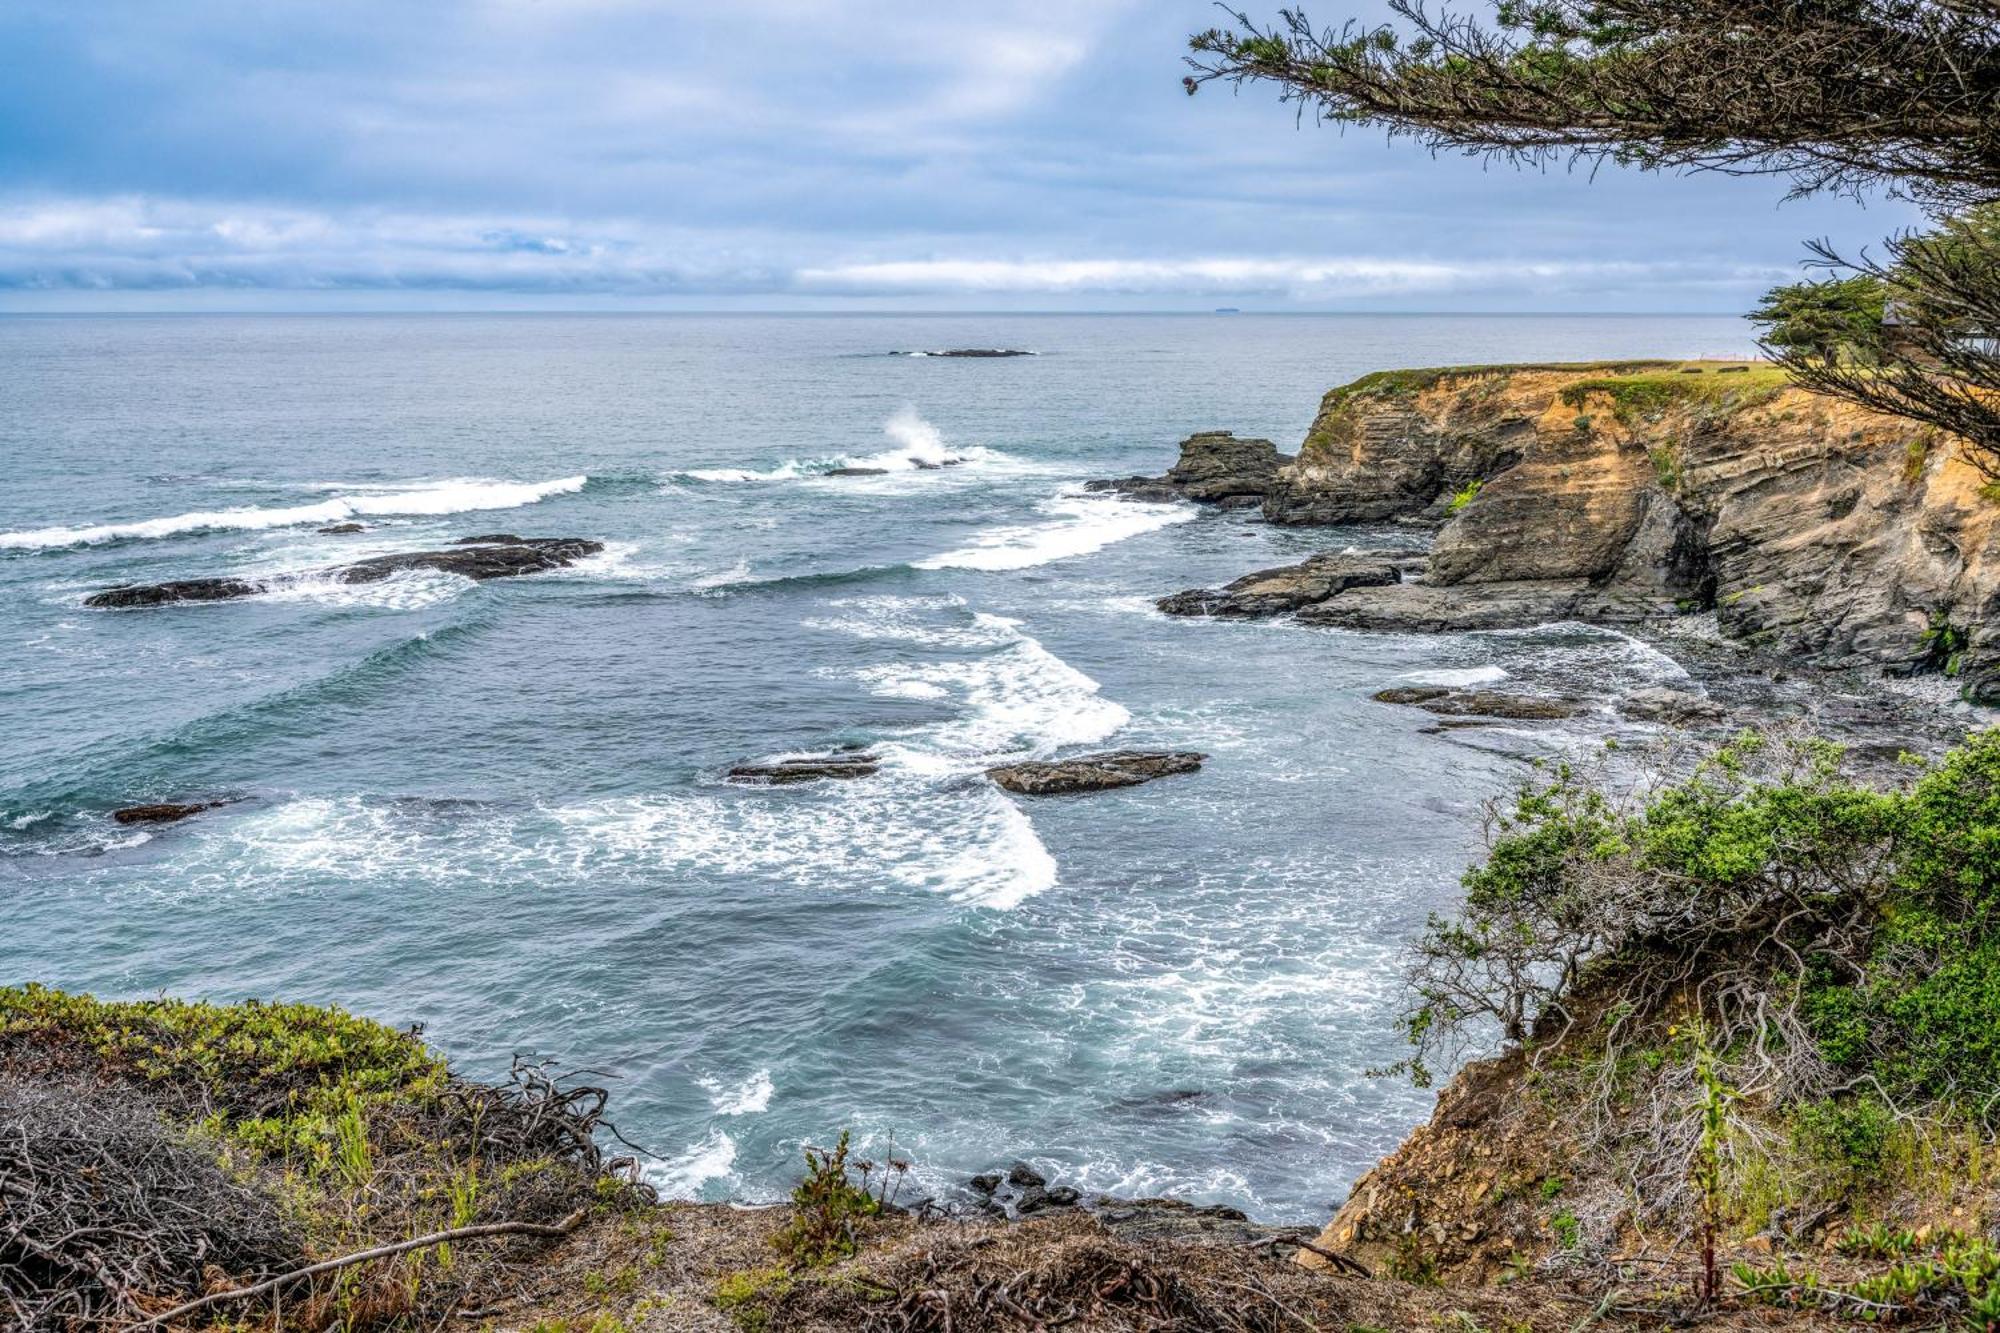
x: 1643, y: 489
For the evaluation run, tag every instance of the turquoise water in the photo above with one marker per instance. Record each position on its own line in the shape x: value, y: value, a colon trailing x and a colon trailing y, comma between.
x: 496, y: 810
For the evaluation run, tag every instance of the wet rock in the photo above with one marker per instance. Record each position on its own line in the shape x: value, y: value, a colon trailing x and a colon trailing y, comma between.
x: 494, y: 556
x: 1214, y: 467
x: 1025, y: 1176
x: 174, y: 590
x: 1147, y: 490
x: 1661, y: 704
x: 1094, y: 772
x: 479, y: 558
x: 811, y: 768
x: 1063, y: 1196
x: 977, y: 352
x: 985, y: 1183
x: 1033, y: 1199
x: 1271, y: 592
x: 856, y: 472
x: 341, y: 529
x: 1480, y: 703
x: 163, y: 812
x: 1422, y: 608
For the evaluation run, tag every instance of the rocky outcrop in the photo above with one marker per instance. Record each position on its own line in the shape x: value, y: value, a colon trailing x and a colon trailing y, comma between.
x: 811, y: 768
x: 492, y: 556
x: 1271, y: 592
x: 1094, y: 772
x: 1214, y: 468
x: 1480, y: 703
x: 1636, y: 491
x: 164, y: 812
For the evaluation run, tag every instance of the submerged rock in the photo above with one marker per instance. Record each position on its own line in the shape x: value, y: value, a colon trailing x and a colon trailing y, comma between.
x: 1214, y: 467
x: 342, y: 529
x: 1270, y: 592
x: 164, y: 812
x: 856, y: 472
x: 1094, y: 772
x: 976, y: 352
x: 493, y: 556
x: 811, y: 768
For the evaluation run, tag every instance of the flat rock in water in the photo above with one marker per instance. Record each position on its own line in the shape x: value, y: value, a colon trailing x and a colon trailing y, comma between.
x: 164, y: 812
x: 1094, y: 772
x: 493, y: 556
x: 809, y: 769
x: 1479, y: 703
x: 979, y: 352
x: 856, y: 472
x: 341, y: 529
x: 1271, y: 592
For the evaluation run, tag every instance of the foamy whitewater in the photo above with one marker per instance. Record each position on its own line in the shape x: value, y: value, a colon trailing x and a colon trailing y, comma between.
x: 498, y: 809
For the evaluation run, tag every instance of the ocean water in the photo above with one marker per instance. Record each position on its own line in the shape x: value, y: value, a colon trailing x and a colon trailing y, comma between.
x: 497, y: 810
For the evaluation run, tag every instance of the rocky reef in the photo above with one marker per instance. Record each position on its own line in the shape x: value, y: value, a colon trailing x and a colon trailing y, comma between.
x: 491, y: 556
x: 1638, y: 491
x: 1093, y: 772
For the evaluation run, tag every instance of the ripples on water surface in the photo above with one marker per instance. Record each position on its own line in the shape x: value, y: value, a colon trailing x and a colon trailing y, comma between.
x: 495, y: 809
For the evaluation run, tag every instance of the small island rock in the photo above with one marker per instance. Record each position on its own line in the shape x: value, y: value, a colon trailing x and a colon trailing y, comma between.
x: 1094, y: 772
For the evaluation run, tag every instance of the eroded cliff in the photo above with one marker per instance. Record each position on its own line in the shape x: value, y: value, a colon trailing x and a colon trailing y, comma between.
x: 1637, y: 490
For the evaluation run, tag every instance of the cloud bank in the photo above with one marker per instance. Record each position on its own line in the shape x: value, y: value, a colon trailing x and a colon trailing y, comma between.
x: 873, y: 152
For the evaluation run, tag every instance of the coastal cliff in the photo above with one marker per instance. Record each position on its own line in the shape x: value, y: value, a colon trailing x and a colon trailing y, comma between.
x: 1634, y: 491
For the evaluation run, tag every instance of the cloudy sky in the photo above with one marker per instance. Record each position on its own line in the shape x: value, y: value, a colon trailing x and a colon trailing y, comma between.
x: 781, y: 154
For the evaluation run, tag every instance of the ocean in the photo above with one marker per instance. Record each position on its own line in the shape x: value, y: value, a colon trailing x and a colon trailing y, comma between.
x: 497, y: 809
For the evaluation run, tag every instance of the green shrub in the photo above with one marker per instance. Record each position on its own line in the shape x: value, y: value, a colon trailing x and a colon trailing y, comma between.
x: 1466, y: 494
x: 827, y: 1207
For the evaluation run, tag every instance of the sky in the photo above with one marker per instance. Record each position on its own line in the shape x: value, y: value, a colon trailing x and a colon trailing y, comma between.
x: 785, y: 154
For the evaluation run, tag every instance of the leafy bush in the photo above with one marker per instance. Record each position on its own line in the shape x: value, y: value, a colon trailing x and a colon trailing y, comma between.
x: 828, y: 1205
x: 1839, y: 318
x: 1836, y: 942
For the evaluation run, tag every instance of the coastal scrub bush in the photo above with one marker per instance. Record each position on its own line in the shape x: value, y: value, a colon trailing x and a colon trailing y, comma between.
x: 827, y: 1207
x: 1466, y: 494
x: 1833, y: 942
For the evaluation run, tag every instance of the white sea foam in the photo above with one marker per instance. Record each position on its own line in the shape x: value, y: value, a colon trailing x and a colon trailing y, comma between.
x: 916, y: 446
x: 1456, y: 677
x: 683, y: 1177
x: 457, y: 496
x: 405, y: 590
x: 1020, y: 699
x: 1080, y: 524
x: 751, y: 1096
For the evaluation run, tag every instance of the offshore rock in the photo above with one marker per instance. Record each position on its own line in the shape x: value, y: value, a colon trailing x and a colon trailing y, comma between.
x: 1271, y: 592
x: 1094, y: 772
x: 1214, y: 467
x: 495, y: 556
x: 813, y: 768
x: 164, y: 812
x: 1480, y: 703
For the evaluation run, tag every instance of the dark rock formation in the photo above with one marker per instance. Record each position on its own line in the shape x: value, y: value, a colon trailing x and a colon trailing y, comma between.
x: 976, y: 352
x: 1214, y: 468
x: 163, y: 813
x: 853, y: 764
x: 1094, y: 772
x: 856, y: 472
x: 342, y: 529
x: 1480, y: 703
x: 494, y: 556
x: 1270, y: 592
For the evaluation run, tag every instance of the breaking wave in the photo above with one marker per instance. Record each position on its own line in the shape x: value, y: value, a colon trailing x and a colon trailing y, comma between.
x: 457, y: 496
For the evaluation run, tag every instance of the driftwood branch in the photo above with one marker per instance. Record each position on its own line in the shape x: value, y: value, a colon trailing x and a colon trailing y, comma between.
x: 485, y: 1229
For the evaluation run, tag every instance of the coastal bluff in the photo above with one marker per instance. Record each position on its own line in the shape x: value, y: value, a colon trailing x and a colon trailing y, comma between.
x: 1632, y: 491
